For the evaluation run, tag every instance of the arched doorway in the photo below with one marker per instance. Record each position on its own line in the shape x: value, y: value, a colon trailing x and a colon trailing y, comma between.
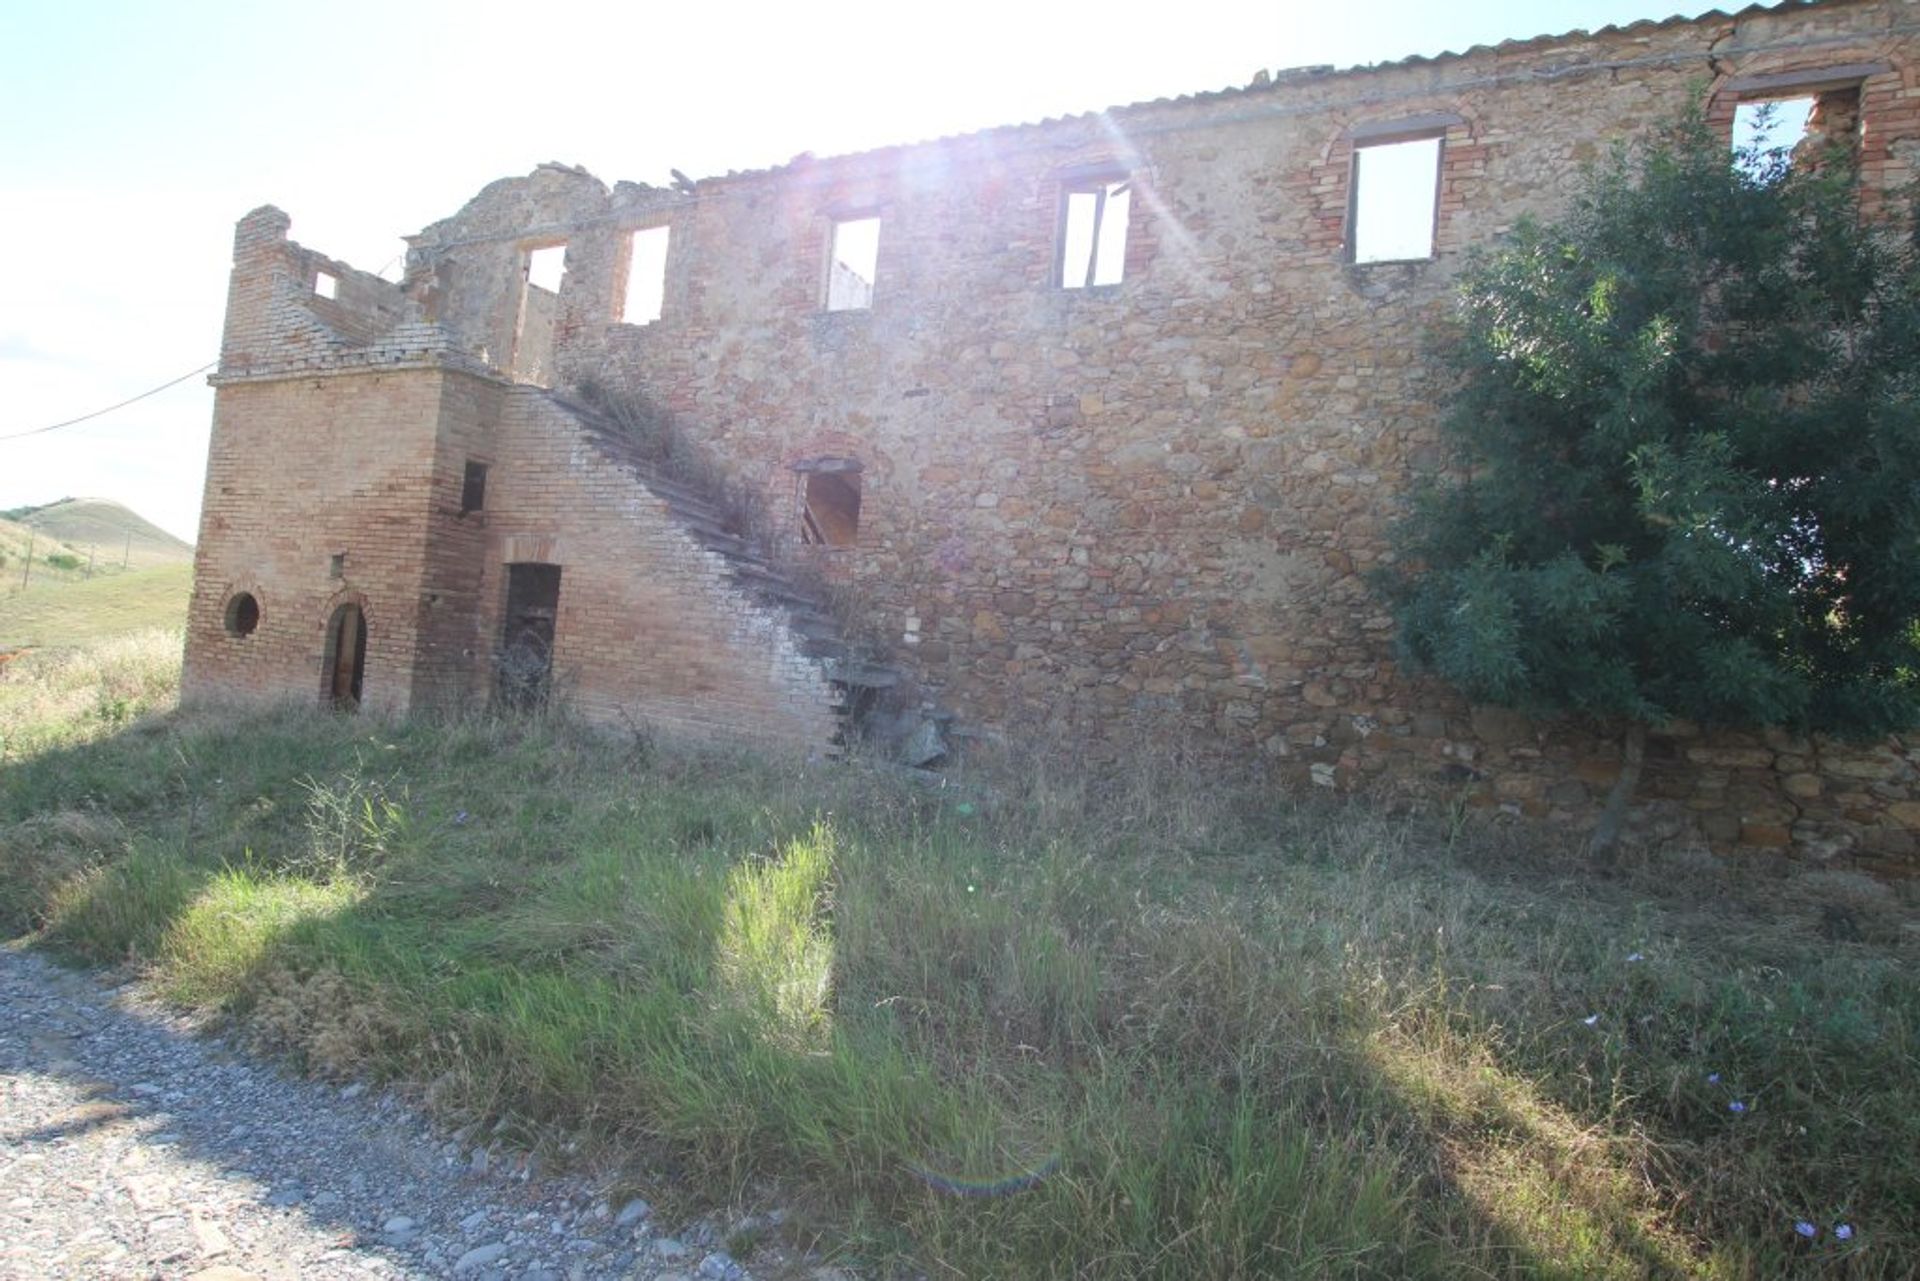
x: 344, y: 669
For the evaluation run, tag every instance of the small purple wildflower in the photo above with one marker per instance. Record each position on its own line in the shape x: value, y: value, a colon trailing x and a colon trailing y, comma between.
x: 1591, y: 1019
x: 1806, y: 1229
x: 459, y: 817
x: 1713, y: 1078
x: 1844, y: 1231
x: 1634, y: 958
x: 1736, y: 1106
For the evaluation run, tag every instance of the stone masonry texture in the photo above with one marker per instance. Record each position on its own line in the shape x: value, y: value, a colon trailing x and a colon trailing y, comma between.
x: 1137, y: 512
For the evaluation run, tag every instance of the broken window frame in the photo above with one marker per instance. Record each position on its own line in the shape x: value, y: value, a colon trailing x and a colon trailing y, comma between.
x: 835, y: 223
x: 624, y: 311
x: 1370, y: 137
x: 1103, y: 183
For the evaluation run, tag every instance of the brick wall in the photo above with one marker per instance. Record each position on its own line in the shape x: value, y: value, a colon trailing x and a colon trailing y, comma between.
x: 335, y: 476
x: 647, y: 633
x: 299, y: 471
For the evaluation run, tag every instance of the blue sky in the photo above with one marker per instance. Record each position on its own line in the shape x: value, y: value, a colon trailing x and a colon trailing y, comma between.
x: 137, y: 133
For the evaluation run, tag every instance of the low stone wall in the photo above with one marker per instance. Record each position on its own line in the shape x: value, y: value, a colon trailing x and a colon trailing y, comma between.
x: 1816, y: 800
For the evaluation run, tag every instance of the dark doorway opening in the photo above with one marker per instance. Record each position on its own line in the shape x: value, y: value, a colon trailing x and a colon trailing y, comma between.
x: 345, y: 666
x: 526, y: 645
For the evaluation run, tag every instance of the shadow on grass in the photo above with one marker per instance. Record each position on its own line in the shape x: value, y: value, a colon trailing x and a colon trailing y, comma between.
x: 993, y: 1046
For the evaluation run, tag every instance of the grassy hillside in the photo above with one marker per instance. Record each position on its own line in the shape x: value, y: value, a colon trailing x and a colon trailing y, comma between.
x: 115, y: 532
x: 68, y: 610
x: 53, y: 560
x: 1167, y: 1028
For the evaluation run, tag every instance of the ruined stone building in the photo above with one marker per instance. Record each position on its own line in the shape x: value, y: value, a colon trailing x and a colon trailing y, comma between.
x: 1098, y: 422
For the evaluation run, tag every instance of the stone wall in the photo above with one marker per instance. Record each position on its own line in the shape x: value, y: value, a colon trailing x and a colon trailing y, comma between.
x: 1150, y: 509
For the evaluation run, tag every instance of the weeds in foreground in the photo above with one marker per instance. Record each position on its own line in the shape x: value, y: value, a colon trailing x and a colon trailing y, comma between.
x: 1165, y: 1028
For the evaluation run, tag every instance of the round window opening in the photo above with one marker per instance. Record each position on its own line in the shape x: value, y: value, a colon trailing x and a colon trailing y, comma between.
x: 243, y: 614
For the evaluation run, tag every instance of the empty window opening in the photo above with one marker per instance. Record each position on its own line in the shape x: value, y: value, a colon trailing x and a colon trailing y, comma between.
x: 1774, y: 135
x: 326, y: 284
x: 854, y: 264
x: 473, y: 488
x: 526, y: 642
x: 1766, y: 132
x: 243, y: 614
x: 1396, y: 199
x: 344, y: 664
x: 830, y: 508
x: 1093, y: 232
x: 337, y: 565
x: 646, y: 277
x: 547, y: 267
x: 545, y: 271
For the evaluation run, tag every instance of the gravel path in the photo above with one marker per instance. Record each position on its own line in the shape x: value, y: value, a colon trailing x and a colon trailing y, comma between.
x: 130, y: 1148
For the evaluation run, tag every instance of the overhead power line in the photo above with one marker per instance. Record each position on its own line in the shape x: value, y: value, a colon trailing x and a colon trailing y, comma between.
x: 153, y: 391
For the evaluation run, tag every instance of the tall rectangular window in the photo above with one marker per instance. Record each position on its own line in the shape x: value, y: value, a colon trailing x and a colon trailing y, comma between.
x: 1093, y: 232
x: 546, y: 266
x: 473, y: 488
x: 646, y: 277
x: 853, y: 264
x: 1396, y: 199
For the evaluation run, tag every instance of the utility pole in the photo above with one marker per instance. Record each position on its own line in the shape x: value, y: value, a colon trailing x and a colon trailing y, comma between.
x: 91, y: 549
x: 27, y: 568
x: 128, y: 553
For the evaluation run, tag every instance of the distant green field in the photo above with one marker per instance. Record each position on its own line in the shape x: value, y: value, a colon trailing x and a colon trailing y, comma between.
x: 60, y: 612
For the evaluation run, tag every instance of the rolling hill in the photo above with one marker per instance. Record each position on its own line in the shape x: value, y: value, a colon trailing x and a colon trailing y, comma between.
x: 117, y: 533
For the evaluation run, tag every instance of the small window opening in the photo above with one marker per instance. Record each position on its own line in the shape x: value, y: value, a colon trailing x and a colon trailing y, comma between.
x: 646, y: 277
x: 830, y: 509
x: 1093, y: 232
x: 326, y: 284
x: 854, y: 263
x: 473, y: 488
x: 1396, y: 199
x: 337, y: 565
x: 546, y: 267
x: 243, y: 614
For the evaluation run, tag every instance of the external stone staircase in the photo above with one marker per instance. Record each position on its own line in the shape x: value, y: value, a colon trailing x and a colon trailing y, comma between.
x: 858, y: 678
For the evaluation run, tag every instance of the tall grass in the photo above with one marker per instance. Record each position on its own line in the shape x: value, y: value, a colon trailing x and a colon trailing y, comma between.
x: 1043, y: 1028
x: 53, y: 697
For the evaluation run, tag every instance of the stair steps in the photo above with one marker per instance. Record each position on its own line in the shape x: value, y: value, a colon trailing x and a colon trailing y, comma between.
x: 854, y: 677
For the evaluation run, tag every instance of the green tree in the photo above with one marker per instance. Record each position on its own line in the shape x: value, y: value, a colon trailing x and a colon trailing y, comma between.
x: 1685, y: 472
